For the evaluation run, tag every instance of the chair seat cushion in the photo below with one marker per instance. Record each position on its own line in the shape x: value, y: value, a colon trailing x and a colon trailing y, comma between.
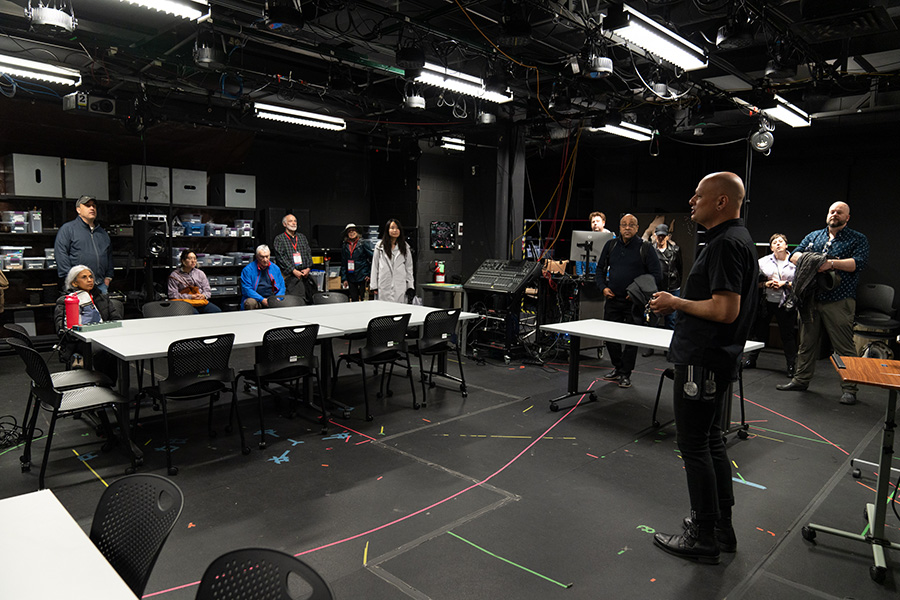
x: 88, y: 397
x: 65, y: 380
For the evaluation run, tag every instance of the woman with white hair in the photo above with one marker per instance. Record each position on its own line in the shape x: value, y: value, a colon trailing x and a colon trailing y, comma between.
x: 93, y: 307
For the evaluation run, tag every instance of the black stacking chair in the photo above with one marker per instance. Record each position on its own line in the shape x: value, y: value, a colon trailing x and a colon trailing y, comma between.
x: 198, y: 367
x: 330, y: 298
x: 438, y: 333
x: 152, y: 310
x: 286, y: 357
x: 64, y: 403
x: 260, y: 574
x: 385, y: 345
x: 285, y: 301
x: 669, y: 373
x: 62, y: 380
x: 131, y: 523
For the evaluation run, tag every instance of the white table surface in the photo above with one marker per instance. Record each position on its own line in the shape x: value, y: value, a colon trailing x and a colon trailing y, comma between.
x: 625, y: 333
x: 45, y: 554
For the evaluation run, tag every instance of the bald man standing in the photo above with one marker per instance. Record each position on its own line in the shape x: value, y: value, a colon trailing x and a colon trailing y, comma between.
x: 847, y: 252
x: 715, y: 314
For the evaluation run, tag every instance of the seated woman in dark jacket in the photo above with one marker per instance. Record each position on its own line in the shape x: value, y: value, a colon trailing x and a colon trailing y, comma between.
x: 94, y: 307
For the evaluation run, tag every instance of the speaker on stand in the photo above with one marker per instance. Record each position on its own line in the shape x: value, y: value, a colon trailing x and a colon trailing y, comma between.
x: 149, y: 244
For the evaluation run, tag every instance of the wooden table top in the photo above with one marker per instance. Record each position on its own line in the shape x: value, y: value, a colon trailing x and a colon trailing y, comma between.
x: 870, y: 371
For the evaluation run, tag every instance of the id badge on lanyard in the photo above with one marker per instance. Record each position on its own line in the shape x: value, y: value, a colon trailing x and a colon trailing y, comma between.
x: 350, y: 266
x: 298, y: 258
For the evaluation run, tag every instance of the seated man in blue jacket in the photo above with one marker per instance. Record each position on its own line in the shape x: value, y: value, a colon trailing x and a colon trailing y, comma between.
x: 259, y: 281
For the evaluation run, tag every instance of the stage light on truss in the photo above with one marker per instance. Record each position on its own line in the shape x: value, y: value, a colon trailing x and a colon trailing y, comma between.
x: 644, y: 32
x: 628, y: 130
x: 53, y: 15
x: 460, y: 83
x: 186, y: 9
x: 293, y: 116
x: 453, y: 143
x: 32, y: 69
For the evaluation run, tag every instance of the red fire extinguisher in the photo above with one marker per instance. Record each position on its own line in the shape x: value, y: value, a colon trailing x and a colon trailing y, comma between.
x: 73, y: 315
x: 439, y: 276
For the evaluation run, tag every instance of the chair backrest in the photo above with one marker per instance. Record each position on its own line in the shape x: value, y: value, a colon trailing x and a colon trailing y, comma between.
x: 875, y: 297
x: 260, y: 574
x: 283, y: 301
x: 297, y: 341
x: 387, y: 332
x: 19, y: 332
x: 330, y: 298
x: 131, y: 523
x: 38, y: 371
x: 440, y: 325
x: 195, y: 356
x: 166, y: 308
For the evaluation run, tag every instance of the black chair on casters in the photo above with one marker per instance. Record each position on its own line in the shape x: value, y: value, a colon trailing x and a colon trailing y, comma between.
x: 285, y: 301
x: 131, y: 523
x: 62, y: 380
x: 385, y: 345
x: 64, y: 403
x: 153, y: 310
x: 436, y: 341
x: 286, y: 357
x: 260, y: 574
x: 198, y: 367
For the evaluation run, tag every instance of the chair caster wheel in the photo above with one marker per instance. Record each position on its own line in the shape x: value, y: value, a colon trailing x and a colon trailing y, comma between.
x: 743, y: 434
x: 431, y: 385
x: 808, y: 534
x: 346, y: 414
x: 156, y: 407
x: 416, y: 406
x: 877, y: 573
x: 245, y: 450
x: 370, y: 418
x: 593, y: 397
x: 465, y: 394
x: 130, y: 471
x: 262, y: 445
x: 139, y: 462
x: 856, y: 473
x: 26, y: 467
x: 173, y: 471
x: 554, y: 408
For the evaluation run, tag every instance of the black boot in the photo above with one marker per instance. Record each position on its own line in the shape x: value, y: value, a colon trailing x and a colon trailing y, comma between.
x: 724, y: 534
x: 698, y: 542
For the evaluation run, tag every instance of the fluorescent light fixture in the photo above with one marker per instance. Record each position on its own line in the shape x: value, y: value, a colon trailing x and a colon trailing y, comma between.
x: 646, y: 33
x: 452, y: 143
x: 783, y: 111
x: 627, y: 130
x: 298, y: 117
x: 186, y: 9
x: 788, y: 113
x: 32, y: 69
x: 460, y: 83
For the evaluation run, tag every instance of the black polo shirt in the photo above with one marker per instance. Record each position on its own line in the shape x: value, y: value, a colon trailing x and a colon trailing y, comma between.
x: 620, y: 263
x: 727, y: 263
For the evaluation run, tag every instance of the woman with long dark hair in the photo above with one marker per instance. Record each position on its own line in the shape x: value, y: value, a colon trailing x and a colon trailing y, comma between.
x: 392, y: 266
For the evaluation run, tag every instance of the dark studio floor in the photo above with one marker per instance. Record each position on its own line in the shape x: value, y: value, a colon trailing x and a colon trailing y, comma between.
x: 392, y: 508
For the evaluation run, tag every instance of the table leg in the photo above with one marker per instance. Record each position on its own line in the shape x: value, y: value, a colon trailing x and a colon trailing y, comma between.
x: 574, y: 361
x: 124, y: 383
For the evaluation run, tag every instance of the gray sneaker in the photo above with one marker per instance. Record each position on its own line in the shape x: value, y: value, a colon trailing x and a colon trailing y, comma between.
x: 848, y: 398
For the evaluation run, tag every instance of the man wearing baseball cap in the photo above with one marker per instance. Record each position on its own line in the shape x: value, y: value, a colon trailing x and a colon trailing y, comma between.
x: 82, y: 241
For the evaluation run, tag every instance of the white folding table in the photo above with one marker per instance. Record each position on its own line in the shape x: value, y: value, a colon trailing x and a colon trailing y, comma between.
x: 623, y: 333
x: 45, y: 554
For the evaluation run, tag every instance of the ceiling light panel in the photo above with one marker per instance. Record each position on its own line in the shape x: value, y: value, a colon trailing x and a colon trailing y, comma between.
x: 293, y: 116
x: 186, y: 9
x: 32, y: 69
x: 646, y: 33
x: 461, y: 83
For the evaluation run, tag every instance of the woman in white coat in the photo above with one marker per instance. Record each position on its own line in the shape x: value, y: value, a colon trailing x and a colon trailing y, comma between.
x: 392, y: 266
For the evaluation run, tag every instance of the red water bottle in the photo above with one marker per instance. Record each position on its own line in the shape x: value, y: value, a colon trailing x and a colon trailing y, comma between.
x: 73, y: 315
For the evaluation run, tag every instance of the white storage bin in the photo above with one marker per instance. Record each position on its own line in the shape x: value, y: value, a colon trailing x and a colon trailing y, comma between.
x: 233, y: 191
x: 189, y: 187
x: 32, y: 175
x: 86, y: 177
x: 138, y: 181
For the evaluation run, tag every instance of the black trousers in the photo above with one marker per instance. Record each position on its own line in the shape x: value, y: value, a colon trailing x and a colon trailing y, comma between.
x: 698, y: 429
x: 356, y: 291
x: 787, y: 327
x: 621, y: 310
